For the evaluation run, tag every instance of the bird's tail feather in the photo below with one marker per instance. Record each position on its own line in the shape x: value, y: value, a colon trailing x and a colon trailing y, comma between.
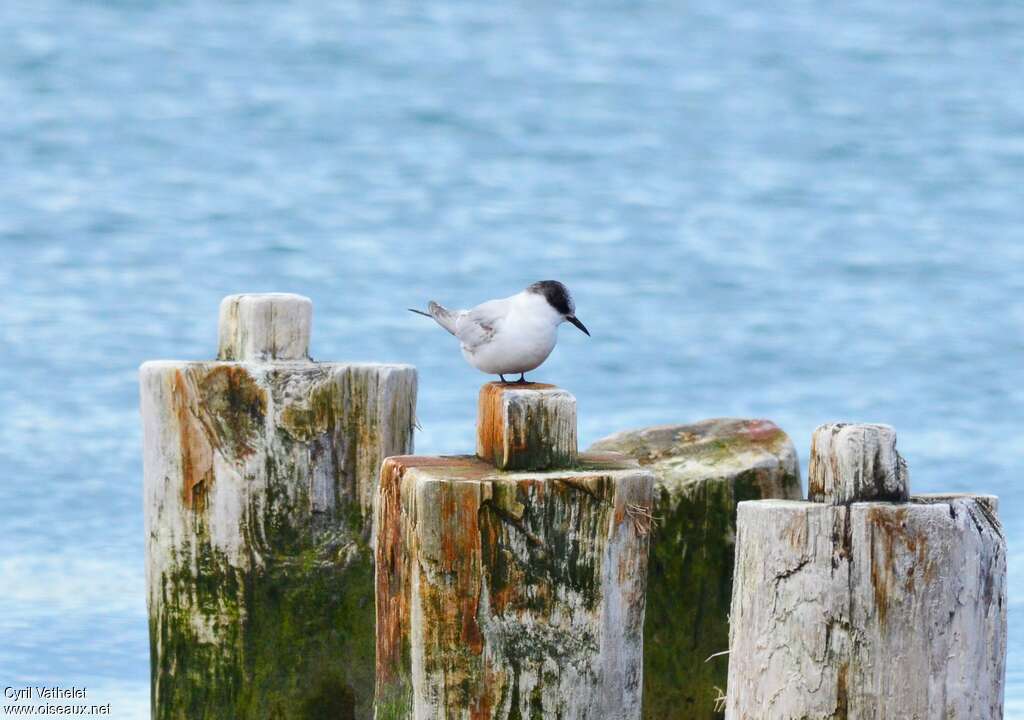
x: 441, y: 315
x: 444, y: 317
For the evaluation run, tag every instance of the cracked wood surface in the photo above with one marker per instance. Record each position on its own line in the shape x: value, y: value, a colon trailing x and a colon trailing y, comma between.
x: 872, y: 610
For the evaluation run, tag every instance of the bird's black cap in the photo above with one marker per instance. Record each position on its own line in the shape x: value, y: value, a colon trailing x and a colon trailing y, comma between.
x: 556, y: 294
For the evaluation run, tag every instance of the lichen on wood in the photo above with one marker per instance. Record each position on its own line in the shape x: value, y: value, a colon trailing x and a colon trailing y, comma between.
x: 872, y: 610
x: 259, y: 484
x: 701, y: 471
x: 510, y: 595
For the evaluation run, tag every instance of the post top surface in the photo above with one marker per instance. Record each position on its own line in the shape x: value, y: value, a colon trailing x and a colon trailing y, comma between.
x: 470, y: 468
x: 922, y: 500
x: 505, y: 388
x: 301, y: 366
x: 701, y: 441
x: 266, y: 297
x: 942, y: 497
x: 837, y: 426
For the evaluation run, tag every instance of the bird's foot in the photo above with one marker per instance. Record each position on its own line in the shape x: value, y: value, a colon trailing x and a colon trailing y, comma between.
x: 503, y: 378
x: 522, y: 379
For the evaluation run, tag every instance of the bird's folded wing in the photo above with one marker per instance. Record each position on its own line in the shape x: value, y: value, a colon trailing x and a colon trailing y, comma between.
x: 477, y: 326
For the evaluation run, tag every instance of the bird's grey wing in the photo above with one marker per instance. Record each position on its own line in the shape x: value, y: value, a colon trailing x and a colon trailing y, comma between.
x: 477, y: 326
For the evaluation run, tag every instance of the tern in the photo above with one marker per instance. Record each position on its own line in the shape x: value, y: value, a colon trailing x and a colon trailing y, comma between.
x: 511, y: 335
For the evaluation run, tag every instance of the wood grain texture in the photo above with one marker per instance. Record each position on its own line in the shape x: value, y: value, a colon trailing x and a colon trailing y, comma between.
x: 872, y: 610
x: 511, y: 595
x: 264, y: 326
x: 531, y: 426
x: 851, y: 462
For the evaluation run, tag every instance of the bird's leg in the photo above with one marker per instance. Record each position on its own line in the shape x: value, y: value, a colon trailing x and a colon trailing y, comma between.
x: 502, y: 378
x: 522, y: 378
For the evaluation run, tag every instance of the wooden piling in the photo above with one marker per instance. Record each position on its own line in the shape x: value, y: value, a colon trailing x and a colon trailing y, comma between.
x: 266, y: 326
x: 702, y: 470
x: 868, y: 609
x: 260, y: 474
x: 512, y: 594
x: 856, y: 462
x: 531, y: 426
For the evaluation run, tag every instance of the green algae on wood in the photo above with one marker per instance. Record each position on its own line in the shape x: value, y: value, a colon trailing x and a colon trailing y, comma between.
x: 259, y: 482
x: 510, y: 595
x: 701, y: 472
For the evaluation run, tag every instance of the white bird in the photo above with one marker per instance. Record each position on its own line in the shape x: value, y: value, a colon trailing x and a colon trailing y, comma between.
x: 511, y: 335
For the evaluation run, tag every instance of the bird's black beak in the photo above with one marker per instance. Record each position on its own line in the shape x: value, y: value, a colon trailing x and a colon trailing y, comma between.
x: 576, y: 321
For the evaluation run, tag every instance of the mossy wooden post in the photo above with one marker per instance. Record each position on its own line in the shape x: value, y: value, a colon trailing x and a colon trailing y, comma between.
x: 861, y: 607
x: 701, y: 470
x: 260, y: 473
x: 512, y: 593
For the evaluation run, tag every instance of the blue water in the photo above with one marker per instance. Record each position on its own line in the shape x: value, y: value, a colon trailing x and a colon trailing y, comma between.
x: 803, y: 211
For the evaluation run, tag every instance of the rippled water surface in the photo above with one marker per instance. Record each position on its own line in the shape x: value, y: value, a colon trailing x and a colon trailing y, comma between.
x: 801, y: 211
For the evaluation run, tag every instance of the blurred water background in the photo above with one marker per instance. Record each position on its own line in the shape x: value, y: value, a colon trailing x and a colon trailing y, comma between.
x: 801, y: 211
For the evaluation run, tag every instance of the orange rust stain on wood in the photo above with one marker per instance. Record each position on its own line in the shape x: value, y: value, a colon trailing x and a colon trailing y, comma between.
x: 815, y: 484
x: 621, y: 511
x: 392, y: 575
x: 460, y: 508
x: 483, y: 705
x: 196, y: 450
x: 490, y: 426
x: 448, y: 579
x: 235, y: 407
x: 842, y: 693
x: 492, y: 433
x: 890, y: 527
x: 795, y: 533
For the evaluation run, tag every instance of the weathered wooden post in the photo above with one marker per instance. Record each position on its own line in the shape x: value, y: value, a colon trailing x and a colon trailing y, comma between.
x: 260, y: 473
x: 512, y: 585
x: 876, y: 608
x: 701, y: 470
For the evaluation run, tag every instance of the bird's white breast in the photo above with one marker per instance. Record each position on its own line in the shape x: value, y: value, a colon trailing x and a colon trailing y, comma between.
x: 522, y: 339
